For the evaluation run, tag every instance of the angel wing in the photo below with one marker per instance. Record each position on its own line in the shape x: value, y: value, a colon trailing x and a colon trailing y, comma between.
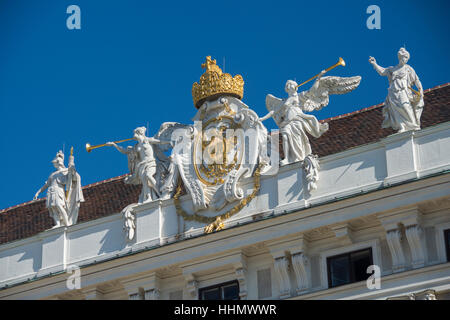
x: 273, y: 103
x: 318, y: 97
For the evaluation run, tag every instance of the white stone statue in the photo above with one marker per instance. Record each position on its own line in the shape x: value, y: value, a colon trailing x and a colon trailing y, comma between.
x: 294, y: 124
x: 403, y: 106
x: 145, y: 159
x: 150, y: 167
x: 64, y: 193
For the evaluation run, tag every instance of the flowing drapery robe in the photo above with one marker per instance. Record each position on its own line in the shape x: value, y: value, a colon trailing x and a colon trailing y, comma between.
x: 74, y: 197
x: 402, y: 106
x: 294, y: 126
x: 56, y: 195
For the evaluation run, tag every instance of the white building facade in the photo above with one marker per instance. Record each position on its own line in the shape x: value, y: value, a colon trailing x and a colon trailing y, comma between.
x: 385, y: 204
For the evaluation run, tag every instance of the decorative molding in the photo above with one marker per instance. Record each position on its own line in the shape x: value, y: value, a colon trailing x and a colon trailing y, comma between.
x: 409, y: 296
x: 240, y: 269
x: 343, y: 232
x: 410, y: 218
x: 281, y: 267
x: 191, y: 286
x: 301, y: 266
x: 394, y: 238
x: 406, y: 216
x: 152, y: 294
x: 426, y: 295
x: 93, y: 294
x: 416, y: 241
x: 70, y: 295
x: 423, y: 295
x: 279, y: 248
x: 135, y: 296
x: 142, y: 287
x: 311, y: 167
x: 241, y: 274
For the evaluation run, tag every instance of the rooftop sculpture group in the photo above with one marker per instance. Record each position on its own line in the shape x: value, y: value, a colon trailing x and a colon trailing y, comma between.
x: 228, y: 144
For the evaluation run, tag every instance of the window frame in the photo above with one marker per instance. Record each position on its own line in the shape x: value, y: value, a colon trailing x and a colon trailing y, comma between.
x: 441, y: 245
x: 375, y: 244
x: 219, y: 285
x: 350, y: 271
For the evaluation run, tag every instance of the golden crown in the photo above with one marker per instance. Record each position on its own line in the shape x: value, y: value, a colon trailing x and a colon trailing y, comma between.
x: 214, y: 83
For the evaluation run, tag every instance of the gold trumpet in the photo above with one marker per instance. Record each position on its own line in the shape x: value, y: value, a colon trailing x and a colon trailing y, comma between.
x: 341, y: 62
x: 89, y: 147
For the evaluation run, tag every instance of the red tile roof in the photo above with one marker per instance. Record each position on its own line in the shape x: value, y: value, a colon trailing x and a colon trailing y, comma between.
x: 101, y: 199
x: 112, y: 195
x: 364, y: 126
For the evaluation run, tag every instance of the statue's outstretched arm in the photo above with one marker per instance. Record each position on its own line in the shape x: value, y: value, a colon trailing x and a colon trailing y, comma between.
x: 381, y: 71
x: 157, y: 141
x: 267, y: 116
x: 119, y: 148
x: 45, y: 186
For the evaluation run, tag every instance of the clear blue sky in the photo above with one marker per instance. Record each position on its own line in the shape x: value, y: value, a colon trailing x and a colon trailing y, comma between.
x: 134, y: 62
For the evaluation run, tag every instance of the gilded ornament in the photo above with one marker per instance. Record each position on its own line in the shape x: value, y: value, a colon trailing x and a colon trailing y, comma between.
x: 214, y: 83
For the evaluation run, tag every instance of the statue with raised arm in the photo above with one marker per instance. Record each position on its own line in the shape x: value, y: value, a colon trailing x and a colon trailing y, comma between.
x: 146, y: 163
x: 64, y: 193
x: 289, y: 114
x: 150, y: 167
x: 403, y: 105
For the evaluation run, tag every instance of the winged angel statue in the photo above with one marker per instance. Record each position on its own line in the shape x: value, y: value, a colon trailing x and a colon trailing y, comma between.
x: 289, y: 114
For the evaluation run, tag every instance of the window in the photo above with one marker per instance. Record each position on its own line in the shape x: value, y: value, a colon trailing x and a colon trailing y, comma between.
x: 447, y: 243
x: 348, y: 267
x: 223, y: 291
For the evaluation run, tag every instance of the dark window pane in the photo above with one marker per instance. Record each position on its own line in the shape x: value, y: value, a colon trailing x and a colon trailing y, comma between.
x: 349, y: 267
x: 223, y: 291
x: 231, y: 292
x: 212, y: 294
x: 360, y: 261
x: 339, y: 270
